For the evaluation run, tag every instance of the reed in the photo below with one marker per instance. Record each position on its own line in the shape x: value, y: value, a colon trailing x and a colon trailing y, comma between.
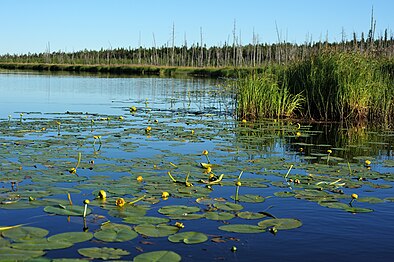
x: 266, y: 95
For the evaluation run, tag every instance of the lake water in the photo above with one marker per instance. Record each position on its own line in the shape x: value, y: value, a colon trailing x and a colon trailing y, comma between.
x: 47, y: 119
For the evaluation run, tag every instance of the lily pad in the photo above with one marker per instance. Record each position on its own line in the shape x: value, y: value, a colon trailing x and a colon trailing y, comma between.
x: 103, y: 252
x: 280, y: 223
x: 188, y: 237
x: 242, y: 228
x: 249, y: 198
x: 145, y: 220
x: 112, y: 232
x: 178, y: 209
x: 41, y: 244
x: 158, y: 256
x: 71, y: 237
x: 12, y: 254
x: 228, y: 206
x: 219, y: 215
x: 67, y: 210
x: 26, y: 233
x: 156, y: 230
x: 250, y: 215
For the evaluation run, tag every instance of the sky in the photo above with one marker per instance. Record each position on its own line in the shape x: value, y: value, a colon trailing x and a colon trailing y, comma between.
x: 70, y: 25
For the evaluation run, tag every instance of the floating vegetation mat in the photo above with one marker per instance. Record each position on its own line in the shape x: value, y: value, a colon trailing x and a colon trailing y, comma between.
x: 147, y: 183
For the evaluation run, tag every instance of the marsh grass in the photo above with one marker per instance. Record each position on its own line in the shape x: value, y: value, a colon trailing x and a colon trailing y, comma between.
x: 266, y: 95
x: 343, y: 86
x: 330, y: 86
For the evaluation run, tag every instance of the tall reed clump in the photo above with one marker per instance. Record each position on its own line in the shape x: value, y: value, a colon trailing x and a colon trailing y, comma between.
x: 343, y: 86
x: 266, y: 95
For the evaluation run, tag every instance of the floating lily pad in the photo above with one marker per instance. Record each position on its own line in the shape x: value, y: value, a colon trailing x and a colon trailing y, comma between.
x: 156, y: 230
x: 112, y: 232
x: 12, y: 254
x: 25, y: 233
x: 249, y: 198
x: 228, y: 206
x: 178, y: 209
x: 219, y: 215
x: 67, y: 210
x: 71, y: 237
x: 158, y: 256
x: 242, y: 228
x: 250, y: 215
x: 371, y: 200
x: 284, y: 194
x: 145, y: 220
x: 358, y: 210
x: 41, y: 244
x: 103, y: 252
x: 188, y: 237
x: 280, y: 223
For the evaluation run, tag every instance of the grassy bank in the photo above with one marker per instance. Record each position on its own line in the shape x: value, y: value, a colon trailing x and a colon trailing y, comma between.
x: 334, y: 85
x: 133, y: 70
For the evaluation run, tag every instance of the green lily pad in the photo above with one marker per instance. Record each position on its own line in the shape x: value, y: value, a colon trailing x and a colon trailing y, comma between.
x: 71, y: 237
x: 41, y: 244
x: 219, y: 215
x: 249, y: 198
x: 146, y: 220
x: 358, y: 210
x: 156, y: 230
x: 371, y: 200
x: 158, y: 256
x: 284, y: 194
x: 250, y: 215
x: 103, y: 252
x: 242, y: 228
x: 280, y: 223
x: 12, y: 254
x: 26, y: 233
x: 228, y: 206
x: 188, y: 237
x: 178, y: 210
x: 67, y: 210
x: 112, y: 232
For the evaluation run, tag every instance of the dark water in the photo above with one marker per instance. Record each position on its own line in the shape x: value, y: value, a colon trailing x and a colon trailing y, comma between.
x: 184, y: 104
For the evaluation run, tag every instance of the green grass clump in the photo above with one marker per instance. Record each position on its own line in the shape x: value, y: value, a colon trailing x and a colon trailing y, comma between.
x: 266, y: 96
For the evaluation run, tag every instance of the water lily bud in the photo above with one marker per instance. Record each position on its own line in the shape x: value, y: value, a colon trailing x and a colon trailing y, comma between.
x: 86, y: 201
x: 238, y: 183
x: 165, y: 194
x: 205, y: 152
x: 244, y: 121
x: 140, y: 179
x: 179, y: 225
x: 367, y: 162
x: 233, y: 248
x: 329, y: 151
x: 102, y: 194
x: 354, y: 196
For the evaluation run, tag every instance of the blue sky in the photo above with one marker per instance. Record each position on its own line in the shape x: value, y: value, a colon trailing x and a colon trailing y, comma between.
x: 71, y: 25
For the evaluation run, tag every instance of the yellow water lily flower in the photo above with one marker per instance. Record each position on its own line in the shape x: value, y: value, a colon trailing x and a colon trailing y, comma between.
x: 205, y: 152
x: 102, y: 194
x: 238, y: 183
x: 244, y: 121
x: 329, y: 151
x: 165, y: 195
x: 354, y: 196
x: 120, y: 202
x: 148, y: 129
x: 298, y: 134
x: 179, y: 225
x: 140, y: 179
x: 133, y: 109
x: 367, y: 162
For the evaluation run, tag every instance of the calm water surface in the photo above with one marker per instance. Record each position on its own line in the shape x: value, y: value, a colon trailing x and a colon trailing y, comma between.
x: 185, y: 104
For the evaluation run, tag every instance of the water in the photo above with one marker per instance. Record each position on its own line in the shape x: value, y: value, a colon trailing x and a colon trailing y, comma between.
x: 191, y: 115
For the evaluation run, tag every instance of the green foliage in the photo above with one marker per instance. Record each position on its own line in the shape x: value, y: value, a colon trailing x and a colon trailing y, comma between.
x: 266, y: 96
